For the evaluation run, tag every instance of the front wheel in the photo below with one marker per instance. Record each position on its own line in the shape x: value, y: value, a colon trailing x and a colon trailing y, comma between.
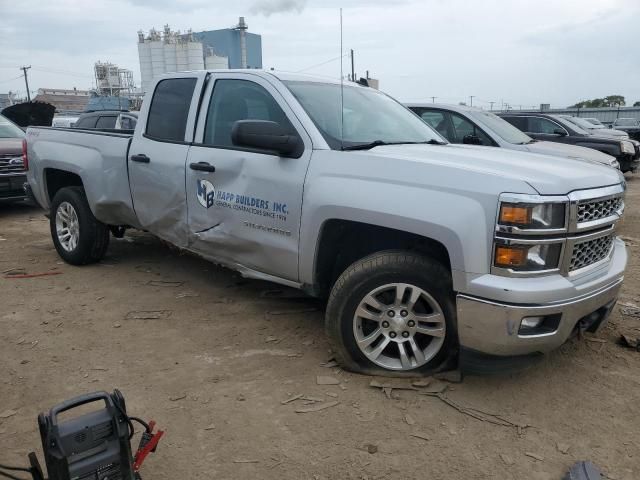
x: 78, y: 236
x: 393, y: 313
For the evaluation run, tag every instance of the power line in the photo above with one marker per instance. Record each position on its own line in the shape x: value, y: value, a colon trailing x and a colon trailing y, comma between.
x: 323, y: 63
x: 11, y: 79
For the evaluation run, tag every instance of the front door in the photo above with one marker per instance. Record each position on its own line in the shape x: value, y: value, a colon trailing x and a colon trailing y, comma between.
x: 244, y: 206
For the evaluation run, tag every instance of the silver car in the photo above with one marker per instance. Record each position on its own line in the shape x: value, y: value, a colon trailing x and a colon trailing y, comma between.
x: 470, y: 125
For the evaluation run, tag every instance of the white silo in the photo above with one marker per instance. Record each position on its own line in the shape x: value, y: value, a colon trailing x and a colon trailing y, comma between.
x: 213, y: 61
x: 144, y: 55
x: 195, y: 56
x: 182, y: 59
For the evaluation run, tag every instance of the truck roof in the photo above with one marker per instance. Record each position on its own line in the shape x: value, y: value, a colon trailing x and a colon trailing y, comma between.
x: 281, y: 75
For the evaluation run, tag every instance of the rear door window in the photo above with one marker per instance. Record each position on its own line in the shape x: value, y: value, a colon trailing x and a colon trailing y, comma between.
x: 106, y: 121
x: 169, y: 110
x: 87, y: 122
x: 437, y: 119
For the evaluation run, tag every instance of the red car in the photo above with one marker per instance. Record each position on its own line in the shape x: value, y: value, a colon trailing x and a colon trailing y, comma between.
x: 12, y: 168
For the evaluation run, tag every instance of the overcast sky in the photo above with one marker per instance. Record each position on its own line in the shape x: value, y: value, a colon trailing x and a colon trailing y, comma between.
x: 524, y: 52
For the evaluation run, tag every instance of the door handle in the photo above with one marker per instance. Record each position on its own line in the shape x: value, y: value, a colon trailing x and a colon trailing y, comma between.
x: 202, y: 166
x: 140, y: 158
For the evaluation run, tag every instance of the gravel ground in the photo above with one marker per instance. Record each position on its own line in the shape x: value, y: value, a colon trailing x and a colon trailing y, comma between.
x: 213, y: 357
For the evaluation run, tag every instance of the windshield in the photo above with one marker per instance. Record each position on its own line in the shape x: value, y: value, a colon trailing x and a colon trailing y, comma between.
x: 626, y: 122
x: 595, y: 122
x: 575, y: 127
x: 369, y: 116
x: 9, y: 129
x: 581, y: 122
x: 502, y: 128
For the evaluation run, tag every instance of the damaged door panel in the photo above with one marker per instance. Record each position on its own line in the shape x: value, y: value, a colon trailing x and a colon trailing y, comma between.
x: 157, y: 157
x: 246, y: 207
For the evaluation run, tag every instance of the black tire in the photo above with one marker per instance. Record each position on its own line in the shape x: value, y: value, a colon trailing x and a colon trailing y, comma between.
x: 94, y: 235
x: 374, y: 271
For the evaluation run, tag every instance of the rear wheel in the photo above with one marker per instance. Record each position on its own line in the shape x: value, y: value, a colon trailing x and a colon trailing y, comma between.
x: 393, y: 313
x: 78, y: 236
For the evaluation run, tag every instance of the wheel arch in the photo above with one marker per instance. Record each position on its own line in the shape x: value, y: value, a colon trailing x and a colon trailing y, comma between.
x: 342, y: 242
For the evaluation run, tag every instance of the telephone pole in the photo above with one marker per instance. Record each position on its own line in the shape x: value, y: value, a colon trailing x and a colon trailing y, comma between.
x: 433, y: 99
x: 471, y: 100
x: 26, y: 81
x: 353, y: 70
x: 491, y: 107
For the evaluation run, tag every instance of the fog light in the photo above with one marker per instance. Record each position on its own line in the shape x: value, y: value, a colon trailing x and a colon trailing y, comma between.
x: 531, y: 322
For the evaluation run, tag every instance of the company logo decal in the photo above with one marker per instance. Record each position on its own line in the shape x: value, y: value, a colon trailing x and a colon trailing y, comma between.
x: 206, y: 193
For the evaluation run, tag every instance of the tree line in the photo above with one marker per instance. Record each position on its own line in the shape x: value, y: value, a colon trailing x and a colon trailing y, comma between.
x: 609, y: 101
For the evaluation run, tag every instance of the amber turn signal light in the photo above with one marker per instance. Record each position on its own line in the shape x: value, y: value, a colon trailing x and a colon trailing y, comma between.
x: 510, y: 256
x: 513, y: 214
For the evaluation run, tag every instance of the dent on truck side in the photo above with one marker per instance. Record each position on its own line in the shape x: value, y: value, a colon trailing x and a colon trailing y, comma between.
x: 453, y: 207
x: 99, y: 160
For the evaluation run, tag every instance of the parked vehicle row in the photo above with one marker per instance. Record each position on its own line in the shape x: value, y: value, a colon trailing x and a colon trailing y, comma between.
x: 555, y: 128
x: 430, y: 253
x: 12, y: 168
x: 472, y: 126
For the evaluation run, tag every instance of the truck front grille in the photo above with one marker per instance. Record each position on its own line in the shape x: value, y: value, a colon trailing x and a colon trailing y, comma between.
x: 590, y: 251
x: 589, y: 211
x: 9, y: 164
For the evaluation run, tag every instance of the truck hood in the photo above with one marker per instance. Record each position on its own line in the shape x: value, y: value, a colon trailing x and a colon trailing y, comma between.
x: 609, y: 133
x: 571, y: 151
x: 546, y: 174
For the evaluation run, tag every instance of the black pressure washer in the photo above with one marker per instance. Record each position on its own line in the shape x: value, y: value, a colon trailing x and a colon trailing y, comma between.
x: 92, y: 446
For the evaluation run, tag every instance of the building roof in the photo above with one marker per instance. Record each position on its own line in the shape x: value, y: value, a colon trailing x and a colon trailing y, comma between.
x: 64, y: 100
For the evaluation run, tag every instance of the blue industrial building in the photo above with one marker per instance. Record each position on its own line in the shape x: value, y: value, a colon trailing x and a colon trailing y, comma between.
x: 227, y: 43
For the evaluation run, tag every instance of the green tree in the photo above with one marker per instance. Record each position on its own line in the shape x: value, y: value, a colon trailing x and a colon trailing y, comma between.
x: 608, y: 101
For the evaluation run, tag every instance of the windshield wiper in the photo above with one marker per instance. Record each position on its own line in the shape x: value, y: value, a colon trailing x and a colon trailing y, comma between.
x: 377, y: 143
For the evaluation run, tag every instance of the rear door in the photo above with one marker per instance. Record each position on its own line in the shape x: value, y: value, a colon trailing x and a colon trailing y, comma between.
x: 158, y: 153
x: 245, y: 206
x: 106, y: 121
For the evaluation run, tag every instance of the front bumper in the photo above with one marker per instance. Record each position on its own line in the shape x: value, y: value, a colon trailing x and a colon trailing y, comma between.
x: 493, y: 327
x: 11, y: 187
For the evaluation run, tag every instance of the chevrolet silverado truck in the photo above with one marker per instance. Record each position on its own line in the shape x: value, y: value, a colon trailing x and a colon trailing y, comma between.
x: 429, y: 253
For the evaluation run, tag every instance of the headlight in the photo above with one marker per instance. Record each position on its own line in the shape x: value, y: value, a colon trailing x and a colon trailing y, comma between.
x: 540, y: 216
x: 534, y: 257
x: 627, y: 147
x: 615, y: 164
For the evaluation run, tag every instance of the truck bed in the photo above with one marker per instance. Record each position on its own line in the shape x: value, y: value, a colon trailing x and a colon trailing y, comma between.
x: 97, y: 156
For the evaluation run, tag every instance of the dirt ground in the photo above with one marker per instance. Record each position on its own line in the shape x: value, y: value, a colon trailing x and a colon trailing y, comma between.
x: 217, y: 356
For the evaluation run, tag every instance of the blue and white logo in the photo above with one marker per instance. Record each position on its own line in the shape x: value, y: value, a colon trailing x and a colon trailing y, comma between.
x: 206, y: 193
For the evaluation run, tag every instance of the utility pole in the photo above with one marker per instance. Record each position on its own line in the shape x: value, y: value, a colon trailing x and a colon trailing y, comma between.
x: 353, y: 70
x: 491, y: 106
x: 471, y: 100
x: 26, y: 81
x: 433, y: 99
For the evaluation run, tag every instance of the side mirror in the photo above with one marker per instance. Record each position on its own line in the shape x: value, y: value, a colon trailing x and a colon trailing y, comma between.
x: 266, y: 135
x: 471, y: 140
x: 559, y: 131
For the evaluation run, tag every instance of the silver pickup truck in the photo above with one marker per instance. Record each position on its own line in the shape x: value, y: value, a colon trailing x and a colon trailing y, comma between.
x: 429, y: 253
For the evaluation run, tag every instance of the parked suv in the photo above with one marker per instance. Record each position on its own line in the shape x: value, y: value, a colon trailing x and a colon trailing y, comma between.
x: 463, y: 124
x: 108, y: 119
x: 12, y: 168
x: 554, y: 128
x: 629, y: 125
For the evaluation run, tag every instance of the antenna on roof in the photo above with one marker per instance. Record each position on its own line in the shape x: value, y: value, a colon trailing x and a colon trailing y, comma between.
x: 341, y: 89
